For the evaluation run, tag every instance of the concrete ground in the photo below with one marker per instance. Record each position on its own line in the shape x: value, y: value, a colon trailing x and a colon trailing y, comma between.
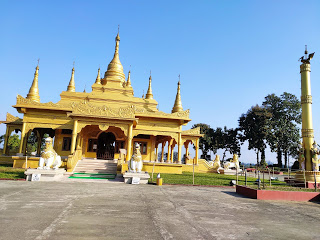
x: 113, y: 210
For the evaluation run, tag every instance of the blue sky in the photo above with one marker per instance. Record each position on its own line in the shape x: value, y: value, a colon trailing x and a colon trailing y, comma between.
x: 230, y: 54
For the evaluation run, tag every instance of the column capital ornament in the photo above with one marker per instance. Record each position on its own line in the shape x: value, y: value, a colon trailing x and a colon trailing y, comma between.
x: 306, y: 99
x: 307, y: 133
x: 305, y: 67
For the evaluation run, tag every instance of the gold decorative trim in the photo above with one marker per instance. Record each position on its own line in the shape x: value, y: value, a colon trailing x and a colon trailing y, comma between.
x: 306, y: 99
x: 192, y: 131
x: 23, y: 101
x: 307, y: 133
x: 90, y: 109
x: 305, y: 67
x: 10, y: 118
x: 104, y: 127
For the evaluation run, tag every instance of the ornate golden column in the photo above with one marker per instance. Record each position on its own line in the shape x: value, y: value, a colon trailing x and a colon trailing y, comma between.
x: 6, y: 141
x: 179, y: 147
x: 168, y: 156
x: 306, y: 103
x: 171, y: 155
x: 129, y: 142
x: 23, y: 133
x: 74, y: 136
x: 197, y: 152
x: 156, y: 160
x: 307, y: 127
x: 162, y: 152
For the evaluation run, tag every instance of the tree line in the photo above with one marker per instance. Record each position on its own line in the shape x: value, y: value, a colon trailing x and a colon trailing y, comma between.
x: 274, y: 123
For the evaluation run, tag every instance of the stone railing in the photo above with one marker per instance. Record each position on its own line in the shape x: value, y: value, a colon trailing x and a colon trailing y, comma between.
x: 205, y: 163
x: 73, y: 159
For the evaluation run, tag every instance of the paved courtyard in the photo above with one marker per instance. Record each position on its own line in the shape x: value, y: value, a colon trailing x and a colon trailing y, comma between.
x: 112, y: 210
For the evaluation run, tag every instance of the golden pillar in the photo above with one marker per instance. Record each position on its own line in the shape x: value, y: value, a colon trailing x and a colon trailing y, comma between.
x: 74, y: 136
x: 179, y: 147
x: 306, y: 103
x: 172, y: 153
x: 168, y: 156
x: 162, y: 152
x: 129, y: 142
x: 23, y: 133
x: 197, y: 152
x: 156, y: 160
x: 307, y: 127
x: 6, y: 141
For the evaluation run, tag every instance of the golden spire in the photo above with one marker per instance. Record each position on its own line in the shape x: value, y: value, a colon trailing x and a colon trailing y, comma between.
x: 115, y: 68
x: 177, y: 104
x: 98, y: 80
x: 71, y: 86
x: 128, y: 80
x: 34, y: 89
x: 149, y: 94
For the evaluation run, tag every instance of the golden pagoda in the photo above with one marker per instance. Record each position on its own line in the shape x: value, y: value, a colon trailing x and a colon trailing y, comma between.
x: 104, y: 123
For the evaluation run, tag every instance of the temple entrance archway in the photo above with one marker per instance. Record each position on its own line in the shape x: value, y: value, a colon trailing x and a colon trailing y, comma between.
x: 106, y: 146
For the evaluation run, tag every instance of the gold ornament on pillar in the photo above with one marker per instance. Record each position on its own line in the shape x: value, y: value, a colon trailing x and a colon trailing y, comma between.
x: 177, y: 104
x: 34, y: 89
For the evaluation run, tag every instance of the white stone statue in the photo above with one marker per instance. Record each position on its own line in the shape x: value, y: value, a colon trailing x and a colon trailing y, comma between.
x: 216, y: 164
x: 135, y: 164
x: 49, y: 158
x: 233, y: 163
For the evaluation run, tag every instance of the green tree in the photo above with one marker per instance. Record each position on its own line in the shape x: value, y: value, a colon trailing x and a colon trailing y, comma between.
x: 253, y: 128
x: 232, y: 142
x: 283, y: 132
x: 205, y: 141
x: 32, y: 143
x: 217, y: 137
x: 2, y: 138
x: 14, y: 142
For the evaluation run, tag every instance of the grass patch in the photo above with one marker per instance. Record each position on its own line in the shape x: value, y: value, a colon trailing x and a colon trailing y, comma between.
x: 202, y: 179
x: 6, y: 171
x: 214, y: 179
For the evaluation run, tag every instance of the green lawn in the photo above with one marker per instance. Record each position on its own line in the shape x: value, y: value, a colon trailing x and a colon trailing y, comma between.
x: 214, y: 179
x: 6, y: 171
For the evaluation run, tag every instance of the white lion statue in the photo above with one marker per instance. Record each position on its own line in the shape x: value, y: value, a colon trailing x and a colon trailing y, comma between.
x: 233, y: 163
x: 135, y: 164
x: 49, y: 158
x: 216, y: 164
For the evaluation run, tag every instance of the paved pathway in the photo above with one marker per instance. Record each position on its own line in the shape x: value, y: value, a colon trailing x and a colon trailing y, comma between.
x: 113, y: 210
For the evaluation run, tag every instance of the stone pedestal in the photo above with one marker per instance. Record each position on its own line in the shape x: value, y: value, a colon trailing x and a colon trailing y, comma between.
x: 44, y: 175
x: 230, y: 172
x: 143, y: 177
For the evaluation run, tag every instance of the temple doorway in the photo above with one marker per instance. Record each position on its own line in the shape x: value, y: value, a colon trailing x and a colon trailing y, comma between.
x: 106, y: 146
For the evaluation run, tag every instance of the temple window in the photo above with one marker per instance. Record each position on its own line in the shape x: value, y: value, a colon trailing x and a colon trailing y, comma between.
x: 66, y: 145
x: 92, y: 145
x: 143, y: 147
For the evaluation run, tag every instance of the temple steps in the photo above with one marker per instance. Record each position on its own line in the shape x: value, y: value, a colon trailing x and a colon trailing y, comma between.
x: 96, y: 166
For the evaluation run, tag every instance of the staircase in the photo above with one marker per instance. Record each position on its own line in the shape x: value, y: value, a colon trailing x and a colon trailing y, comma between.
x: 90, y: 168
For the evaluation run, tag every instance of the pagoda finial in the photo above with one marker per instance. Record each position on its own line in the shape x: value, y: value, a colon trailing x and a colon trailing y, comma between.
x: 98, y: 80
x: 115, y: 68
x: 128, y: 80
x: 71, y: 86
x: 177, y: 104
x: 149, y: 94
x: 34, y: 89
x: 306, y: 59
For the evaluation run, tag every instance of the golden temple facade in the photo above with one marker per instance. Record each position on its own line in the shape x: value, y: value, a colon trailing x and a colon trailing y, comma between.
x: 104, y: 123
